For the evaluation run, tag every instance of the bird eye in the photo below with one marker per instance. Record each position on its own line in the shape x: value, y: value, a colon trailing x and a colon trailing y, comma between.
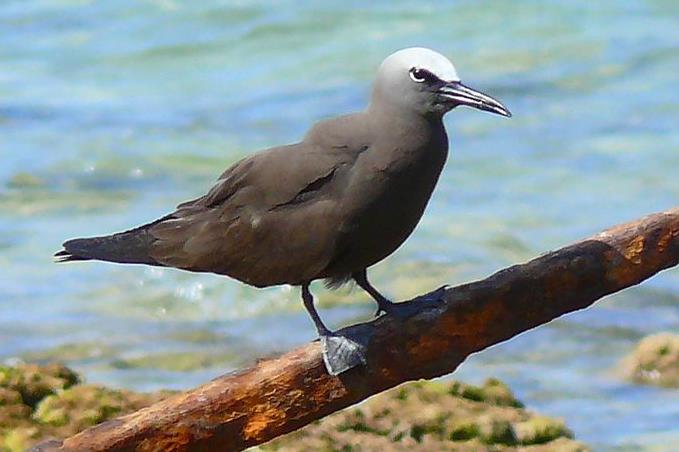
x: 422, y: 75
x: 418, y: 75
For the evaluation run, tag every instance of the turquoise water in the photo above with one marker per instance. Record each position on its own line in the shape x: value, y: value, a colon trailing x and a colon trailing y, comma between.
x: 113, y: 112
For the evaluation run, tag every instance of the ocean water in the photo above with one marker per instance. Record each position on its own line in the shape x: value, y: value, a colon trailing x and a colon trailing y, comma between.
x: 111, y: 113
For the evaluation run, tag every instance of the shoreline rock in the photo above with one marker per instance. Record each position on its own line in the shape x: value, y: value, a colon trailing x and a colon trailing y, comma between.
x: 42, y: 402
x: 654, y: 361
x: 427, y: 416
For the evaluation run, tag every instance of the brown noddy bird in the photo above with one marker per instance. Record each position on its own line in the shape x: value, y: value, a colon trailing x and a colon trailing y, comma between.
x: 341, y: 200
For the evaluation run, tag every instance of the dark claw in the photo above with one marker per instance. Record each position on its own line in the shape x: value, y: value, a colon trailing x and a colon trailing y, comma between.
x: 386, y: 307
x: 381, y: 311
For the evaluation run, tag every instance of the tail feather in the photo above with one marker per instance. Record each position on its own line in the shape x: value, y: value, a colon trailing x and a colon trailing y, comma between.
x: 129, y: 247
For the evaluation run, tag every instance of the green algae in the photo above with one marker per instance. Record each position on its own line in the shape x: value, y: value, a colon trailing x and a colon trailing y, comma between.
x: 18, y: 439
x: 199, y: 337
x: 426, y: 416
x: 23, y: 180
x: 83, y: 406
x: 40, y: 402
x: 71, y: 352
x: 177, y: 361
x: 655, y: 361
x: 34, y: 382
x: 493, y: 430
x: 464, y: 430
x: 497, y: 393
x: 493, y: 391
x: 541, y: 430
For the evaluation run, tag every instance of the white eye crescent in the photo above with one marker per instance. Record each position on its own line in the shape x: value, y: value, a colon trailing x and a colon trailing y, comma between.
x: 418, y: 75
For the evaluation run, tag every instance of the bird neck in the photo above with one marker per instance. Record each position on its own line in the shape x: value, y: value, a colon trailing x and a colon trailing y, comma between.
x: 393, y: 109
x: 408, y: 124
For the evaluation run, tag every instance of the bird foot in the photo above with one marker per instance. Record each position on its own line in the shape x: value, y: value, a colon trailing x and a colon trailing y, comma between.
x: 347, y: 349
x: 341, y: 353
x: 388, y: 307
x: 406, y: 309
x: 400, y: 310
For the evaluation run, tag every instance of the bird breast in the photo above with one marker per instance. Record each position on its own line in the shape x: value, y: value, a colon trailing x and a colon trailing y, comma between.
x: 385, y: 198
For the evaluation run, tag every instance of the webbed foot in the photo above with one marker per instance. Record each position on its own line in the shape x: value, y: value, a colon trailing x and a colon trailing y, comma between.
x: 341, y: 353
x: 406, y: 309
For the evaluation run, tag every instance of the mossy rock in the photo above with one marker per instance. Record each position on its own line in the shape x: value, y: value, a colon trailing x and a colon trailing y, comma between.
x: 426, y: 416
x: 14, y: 415
x: 492, y: 391
x: 13, y: 412
x: 19, y: 439
x: 71, y: 352
x: 85, y: 405
x: 35, y: 382
x: 421, y: 416
x: 176, y: 361
x: 25, y: 180
x: 558, y: 445
x: 541, y: 430
x: 464, y: 430
x: 40, y: 402
x: 467, y: 391
x: 655, y: 360
x: 9, y: 397
x: 199, y: 337
x: 495, y: 430
x: 497, y: 393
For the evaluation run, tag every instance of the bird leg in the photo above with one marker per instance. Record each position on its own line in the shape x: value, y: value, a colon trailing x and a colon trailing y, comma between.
x: 383, y: 303
x: 340, y: 353
x: 401, y: 310
x: 308, y: 299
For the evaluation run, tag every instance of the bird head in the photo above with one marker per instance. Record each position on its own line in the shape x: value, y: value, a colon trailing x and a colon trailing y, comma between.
x: 425, y: 81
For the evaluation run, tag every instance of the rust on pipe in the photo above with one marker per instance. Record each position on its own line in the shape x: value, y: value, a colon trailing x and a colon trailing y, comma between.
x: 282, y: 394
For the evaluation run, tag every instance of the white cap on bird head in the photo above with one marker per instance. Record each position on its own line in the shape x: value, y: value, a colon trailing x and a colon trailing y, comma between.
x: 423, y: 81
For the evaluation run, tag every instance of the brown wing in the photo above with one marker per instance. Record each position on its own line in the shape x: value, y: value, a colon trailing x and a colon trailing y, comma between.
x: 272, y: 218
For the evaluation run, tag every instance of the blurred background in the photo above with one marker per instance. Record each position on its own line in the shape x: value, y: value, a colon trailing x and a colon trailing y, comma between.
x: 111, y: 113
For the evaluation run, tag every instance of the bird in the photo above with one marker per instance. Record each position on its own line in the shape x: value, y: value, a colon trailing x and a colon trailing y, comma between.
x: 328, y: 207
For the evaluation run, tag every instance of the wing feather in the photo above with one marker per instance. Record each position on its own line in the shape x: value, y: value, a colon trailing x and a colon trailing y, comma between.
x: 270, y: 219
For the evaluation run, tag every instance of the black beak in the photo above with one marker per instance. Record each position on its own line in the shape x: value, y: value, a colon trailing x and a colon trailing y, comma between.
x: 456, y: 92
